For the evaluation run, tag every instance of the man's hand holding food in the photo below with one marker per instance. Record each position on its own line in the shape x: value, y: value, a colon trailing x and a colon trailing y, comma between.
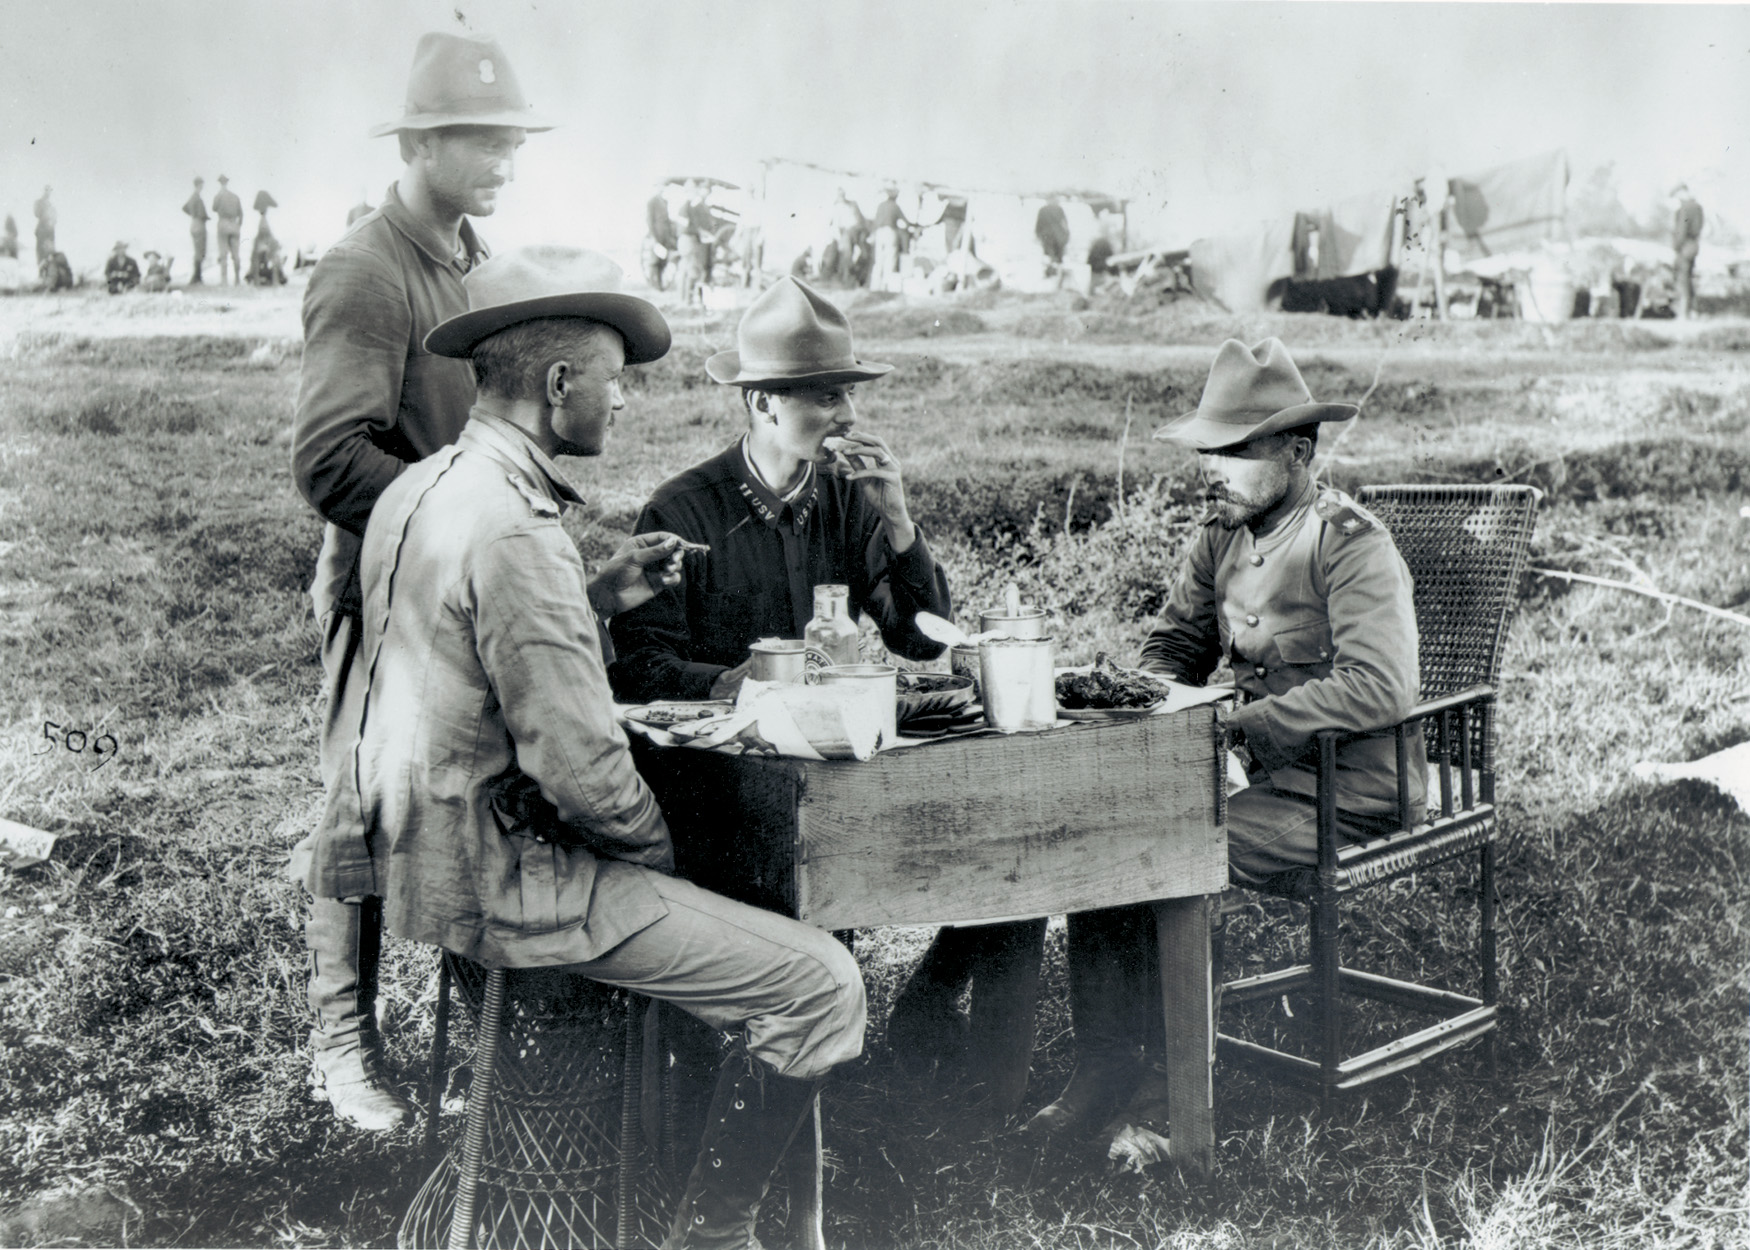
x: 863, y: 458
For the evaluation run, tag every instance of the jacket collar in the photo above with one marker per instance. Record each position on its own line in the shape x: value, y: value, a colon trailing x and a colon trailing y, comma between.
x: 517, y: 451
x: 429, y: 241
x: 766, y: 504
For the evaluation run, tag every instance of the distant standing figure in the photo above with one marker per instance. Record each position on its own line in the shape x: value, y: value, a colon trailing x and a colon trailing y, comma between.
x: 953, y: 221
x: 660, y: 239
x: 9, y: 239
x: 228, y: 209
x: 45, y: 228
x: 157, y: 273
x: 1051, y: 228
x: 121, y: 272
x: 1685, y: 243
x: 196, y: 208
x: 361, y: 209
x: 849, y: 225
x: 889, y: 220
x: 266, y: 265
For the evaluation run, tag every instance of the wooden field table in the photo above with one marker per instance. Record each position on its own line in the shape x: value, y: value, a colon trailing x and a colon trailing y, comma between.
x: 989, y: 827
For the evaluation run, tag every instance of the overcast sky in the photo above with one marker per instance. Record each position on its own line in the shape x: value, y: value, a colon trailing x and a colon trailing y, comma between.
x: 1208, y: 114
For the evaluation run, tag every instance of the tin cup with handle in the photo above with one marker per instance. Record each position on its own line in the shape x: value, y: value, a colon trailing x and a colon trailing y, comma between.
x: 778, y: 660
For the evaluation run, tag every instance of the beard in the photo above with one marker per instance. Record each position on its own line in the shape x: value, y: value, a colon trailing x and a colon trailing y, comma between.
x: 1233, y: 509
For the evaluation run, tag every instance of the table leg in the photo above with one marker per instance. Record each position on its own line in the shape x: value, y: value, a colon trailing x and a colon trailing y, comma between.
x: 1182, y: 930
x: 802, y: 1173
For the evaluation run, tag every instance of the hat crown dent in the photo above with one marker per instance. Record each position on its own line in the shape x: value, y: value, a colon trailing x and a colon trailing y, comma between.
x: 792, y: 323
x: 539, y: 271
x: 462, y: 80
x: 1242, y: 385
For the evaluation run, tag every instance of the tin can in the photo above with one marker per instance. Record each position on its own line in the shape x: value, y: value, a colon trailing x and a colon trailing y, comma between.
x: 876, y: 683
x: 963, y: 662
x: 1018, y: 682
x: 778, y: 659
x: 1029, y: 622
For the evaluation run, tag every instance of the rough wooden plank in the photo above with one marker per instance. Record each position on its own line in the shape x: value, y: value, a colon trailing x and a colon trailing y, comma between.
x: 1187, y: 991
x: 1027, y: 824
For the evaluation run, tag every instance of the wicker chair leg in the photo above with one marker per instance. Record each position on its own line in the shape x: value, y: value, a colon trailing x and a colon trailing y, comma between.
x: 479, y: 1103
x: 631, y: 1078
x: 1324, y: 925
x: 1491, y: 974
x: 440, y: 1053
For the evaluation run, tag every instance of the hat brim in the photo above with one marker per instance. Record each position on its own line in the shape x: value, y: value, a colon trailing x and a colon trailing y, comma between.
x: 725, y: 367
x: 1204, y: 433
x: 641, y: 326
x: 437, y: 121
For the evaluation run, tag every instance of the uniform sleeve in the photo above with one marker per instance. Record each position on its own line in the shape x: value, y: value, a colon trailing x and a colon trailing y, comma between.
x: 653, y: 641
x: 896, y: 587
x: 1185, y: 643
x: 536, y: 638
x: 356, y: 326
x: 1375, y: 672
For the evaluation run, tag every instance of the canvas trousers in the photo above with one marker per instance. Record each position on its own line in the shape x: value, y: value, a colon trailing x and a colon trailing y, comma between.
x: 792, y: 990
x: 342, y: 937
x: 230, y: 239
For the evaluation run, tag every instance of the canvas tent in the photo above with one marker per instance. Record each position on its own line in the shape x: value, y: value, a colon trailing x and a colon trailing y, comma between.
x: 798, y: 198
x: 1509, y: 206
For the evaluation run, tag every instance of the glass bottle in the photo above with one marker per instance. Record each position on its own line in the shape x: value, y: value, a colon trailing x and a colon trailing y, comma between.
x: 831, y: 637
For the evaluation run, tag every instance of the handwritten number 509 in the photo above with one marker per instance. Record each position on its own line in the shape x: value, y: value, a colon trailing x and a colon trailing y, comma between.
x: 64, y: 737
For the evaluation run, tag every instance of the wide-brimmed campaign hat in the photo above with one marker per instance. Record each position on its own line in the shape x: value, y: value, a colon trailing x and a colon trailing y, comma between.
x: 1251, y: 392
x: 790, y: 336
x: 530, y: 283
x: 461, y: 80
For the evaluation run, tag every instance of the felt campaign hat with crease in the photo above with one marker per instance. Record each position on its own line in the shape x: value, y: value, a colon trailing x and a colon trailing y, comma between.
x: 1251, y: 392
x: 530, y: 283
x: 461, y: 80
x: 792, y: 335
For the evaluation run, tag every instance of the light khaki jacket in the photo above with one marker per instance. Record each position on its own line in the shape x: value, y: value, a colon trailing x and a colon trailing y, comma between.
x: 1321, y: 634
x: 494, y: 785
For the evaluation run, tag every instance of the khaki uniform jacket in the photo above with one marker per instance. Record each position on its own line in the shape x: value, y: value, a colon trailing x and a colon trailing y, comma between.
x: 491, y: 780
x: 1321, y: 634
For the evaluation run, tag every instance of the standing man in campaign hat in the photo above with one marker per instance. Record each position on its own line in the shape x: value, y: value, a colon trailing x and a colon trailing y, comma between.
x: 228, y: 209
x: 504, y: 818
x: 196, y: 208
x: 1305, y: 596
x: 372, y: 401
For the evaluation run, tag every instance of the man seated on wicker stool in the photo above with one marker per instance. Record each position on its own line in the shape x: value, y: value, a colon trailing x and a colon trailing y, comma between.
x: 1303, y: 593
x: 505, y: 819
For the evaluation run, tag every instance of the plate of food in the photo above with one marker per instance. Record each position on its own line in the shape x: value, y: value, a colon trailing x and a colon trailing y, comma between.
x: 931, y: 694
x: 1104, y: 691
x: 677, y: 715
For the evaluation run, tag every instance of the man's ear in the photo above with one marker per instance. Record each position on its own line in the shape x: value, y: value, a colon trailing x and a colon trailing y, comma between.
x: 759, y: 404
x: 558, y: 383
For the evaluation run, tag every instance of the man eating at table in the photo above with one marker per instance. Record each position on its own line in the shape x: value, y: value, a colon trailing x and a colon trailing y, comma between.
x: 804, y: 497
x: 504, y: 817
x: 1303, y: 593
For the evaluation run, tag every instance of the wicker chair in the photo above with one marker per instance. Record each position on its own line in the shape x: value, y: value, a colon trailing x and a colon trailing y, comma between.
x: 551, y: 1154
x: 1467, y: 548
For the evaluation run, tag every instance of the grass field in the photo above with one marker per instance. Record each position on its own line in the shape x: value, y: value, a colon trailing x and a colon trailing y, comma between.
x: 153, y: 558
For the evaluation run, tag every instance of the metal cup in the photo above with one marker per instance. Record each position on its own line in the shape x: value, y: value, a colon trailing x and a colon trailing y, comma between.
x: 778, y: 659
x: 1029, y: 622
x: 877, y: 683
x: 1016, y: 677
x: 963, y: 662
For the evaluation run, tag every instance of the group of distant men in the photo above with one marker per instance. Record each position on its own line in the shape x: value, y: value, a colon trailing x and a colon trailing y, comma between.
x: 266, y: 266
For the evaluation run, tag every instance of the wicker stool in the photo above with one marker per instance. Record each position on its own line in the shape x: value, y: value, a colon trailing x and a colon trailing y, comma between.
x: 552, y: 1154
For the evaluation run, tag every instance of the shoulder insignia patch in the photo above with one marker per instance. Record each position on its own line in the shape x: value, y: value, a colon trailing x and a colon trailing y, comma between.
x: 1342, y: 513
x: 539, y: 503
